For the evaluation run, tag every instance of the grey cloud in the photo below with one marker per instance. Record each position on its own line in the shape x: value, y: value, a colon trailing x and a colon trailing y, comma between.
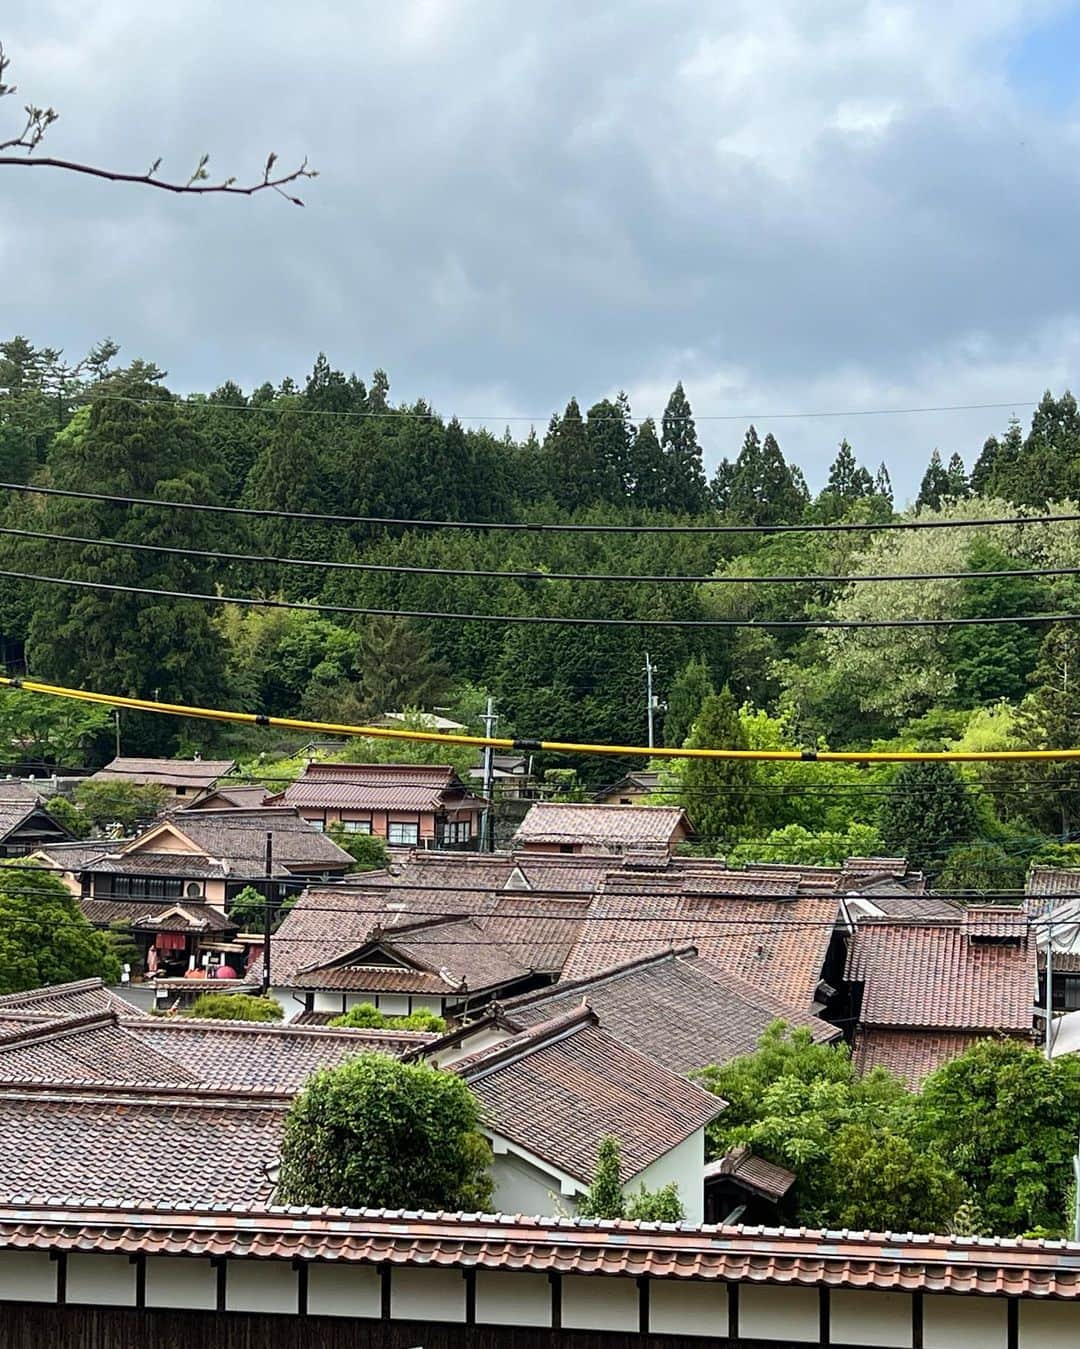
x: 519, y: 209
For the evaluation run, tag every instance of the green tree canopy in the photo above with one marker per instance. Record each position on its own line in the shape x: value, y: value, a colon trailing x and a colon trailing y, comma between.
x: 378, y: 1133
x: 235, y: 1007
x: 714, y: 792
x: 129, y: 804
x: 44, y: 938
x: 685, y: 699
x: 927, y: 812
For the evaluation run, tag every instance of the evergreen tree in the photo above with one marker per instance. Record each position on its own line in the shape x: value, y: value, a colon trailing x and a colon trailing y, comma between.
x: 289, y: 475
x: 934, y: 487
x: 715, y: 792
x: 763, y: 491
x: 883, y: 484
x: 610, y: 437
x: 684, y: 490
x: 128, y: 643
x: 995, y: 470
x: 958, y: 479
x: 647, y: 467
x: 721, y: 485
x: 578, y: 472
x: 1049, y: 718
x: 328, y: 390
x: 927, y: 812
x: 842, y: 474
x: 685, y: 699
x: 604, y: 1197
x: 397, y: 670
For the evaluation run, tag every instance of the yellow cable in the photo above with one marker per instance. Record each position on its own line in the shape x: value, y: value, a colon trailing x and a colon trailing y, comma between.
x: 552, y: 746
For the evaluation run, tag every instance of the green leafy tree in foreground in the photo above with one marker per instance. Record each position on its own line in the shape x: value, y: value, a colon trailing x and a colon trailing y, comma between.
x: 44, y: 938
x: 247, y: 909
x: 236, y: 1007
x: 366, y: 1016
x: 378, y: 1133
x: 1006, y: 1119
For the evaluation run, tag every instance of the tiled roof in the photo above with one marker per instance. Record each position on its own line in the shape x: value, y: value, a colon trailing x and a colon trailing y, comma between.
x: 73, y: 999
x: 360, y: 979
x: 937, y: 974
x: 73, y: 856
x: 608, y: 826
x: 242, y: 796
x: 239, y: 837
x: 1053, y: 881
x: 18, y: 811
x: 680, y: 1009
x: 274, y: 1058
x: 186, y: 866
x: 899, y: 903
x: 395, y: 787
x: 92, y: 1047
x: 185, y: 916
x: 772, y: 938
x: 168, y: 1145
x: 755, y: 1173
x: 558, y: 1088
x: 991, y: 1265
x: 199, y: 773
x: 910, y: 1054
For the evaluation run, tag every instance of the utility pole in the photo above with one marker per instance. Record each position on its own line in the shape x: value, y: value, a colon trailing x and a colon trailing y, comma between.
x: 116, y: 714
x: 1076, y: 1195
x: 487, y: 823
x: 649, y: 671
x: 267, y: 871
x: 1050, y: 980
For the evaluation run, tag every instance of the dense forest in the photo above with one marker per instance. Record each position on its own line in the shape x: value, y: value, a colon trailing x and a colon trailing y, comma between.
x: 337, y: 444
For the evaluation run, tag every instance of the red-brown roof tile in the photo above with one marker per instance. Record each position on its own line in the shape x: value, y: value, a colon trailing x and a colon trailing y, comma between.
x: 910, y: 1054
x: 602, y: 826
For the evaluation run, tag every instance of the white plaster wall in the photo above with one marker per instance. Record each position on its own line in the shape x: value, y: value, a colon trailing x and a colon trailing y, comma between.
x: 512, y: 1299
x: 868, y: 1318
x: 172, y: 1281
x: 105, y: 1280
x: 484, y: 1039
x: 599, y: 1303
x: 679, y: 1307
x: 685, y: 1165
x: 523, y: 1188
x: 775, y: 1312
x: 958, y: 1322
x: 288, y: 999
x: 261, y: 1286
x: 27, y: 1276
x: 1049, y: 1325
x: 427, y: 1294
x: 344, y: 1290
x: 325, y: 1002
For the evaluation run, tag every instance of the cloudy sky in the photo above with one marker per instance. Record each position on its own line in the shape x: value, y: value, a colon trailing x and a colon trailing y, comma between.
x: 793, y: 207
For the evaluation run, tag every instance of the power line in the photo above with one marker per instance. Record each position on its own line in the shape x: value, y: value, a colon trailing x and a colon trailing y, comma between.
x: 554, y: 746
x: 405, y: 413
x: 551, y: 620
x: 843, y: 527
x: 534, y: 574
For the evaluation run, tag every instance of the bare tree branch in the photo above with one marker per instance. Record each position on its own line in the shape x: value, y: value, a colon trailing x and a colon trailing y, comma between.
x: 39, y: 120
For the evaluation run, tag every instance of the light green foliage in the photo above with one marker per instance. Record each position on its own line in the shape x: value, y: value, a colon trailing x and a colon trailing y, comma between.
x: 49, y: 730
x: 368, y: 851
x: 236, y: 1007
x: 44, y: 938
x: 247, y: 909
x: 68, y: 814
x: 1006, y: 1119
x: 662, y: 1205
x: 604, y: 1197
x: 378, y: 1133
x: 128, y: 804
x: 797, y: 845
x: 366, y: 1016
x: 562, y: 784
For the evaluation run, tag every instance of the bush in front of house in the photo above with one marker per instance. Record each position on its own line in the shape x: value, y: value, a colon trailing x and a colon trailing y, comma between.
x: 605, y: 1198
x: 378, y: 1133
x: 236, y: 1007
x: 366, y: 1016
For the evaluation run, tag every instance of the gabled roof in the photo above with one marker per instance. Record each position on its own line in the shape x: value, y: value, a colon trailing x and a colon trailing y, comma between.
x: 394, y: 787
x: 249, y: 1055
x: 752, y: 1173
x: 558, y: 1088
x: 597, y: 825
x: 159, y: 1145
x: 678, y: 1008
x: 223, y: 796
x: 226, y: 843
x: 190, y: 773
x: 16, y: 812
x: 72, y: 999
x: 939, y: 974
x: 757, y: 927
x: 1045, y: 881
x: 442, y: 956
x: 92, y: 1047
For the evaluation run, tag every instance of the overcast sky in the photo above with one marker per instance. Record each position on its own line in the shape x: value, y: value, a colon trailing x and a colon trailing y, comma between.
x: 791, y: 206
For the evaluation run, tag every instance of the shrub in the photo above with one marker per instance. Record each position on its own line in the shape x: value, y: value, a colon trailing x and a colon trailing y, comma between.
x: 236, y: 1007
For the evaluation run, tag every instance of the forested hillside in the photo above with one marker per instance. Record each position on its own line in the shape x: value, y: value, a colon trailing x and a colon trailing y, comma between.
x: 337, y: 444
